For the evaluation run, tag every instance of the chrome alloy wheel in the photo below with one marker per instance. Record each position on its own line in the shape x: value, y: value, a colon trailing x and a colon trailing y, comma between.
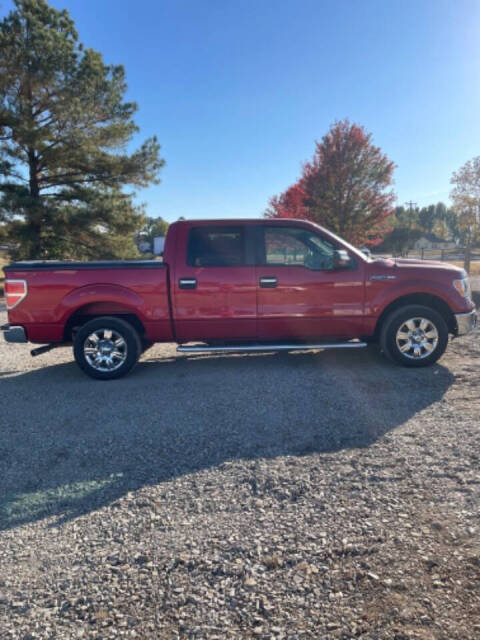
x: 105, y: 350
x: 417, y: 338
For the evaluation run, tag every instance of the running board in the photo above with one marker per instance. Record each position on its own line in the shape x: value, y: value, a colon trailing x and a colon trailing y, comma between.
x: 270, y: 347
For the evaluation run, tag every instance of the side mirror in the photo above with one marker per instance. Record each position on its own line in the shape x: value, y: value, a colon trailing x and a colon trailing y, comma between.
x: 341, y: 259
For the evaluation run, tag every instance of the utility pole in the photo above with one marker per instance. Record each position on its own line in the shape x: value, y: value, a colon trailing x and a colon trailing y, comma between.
x: 410, y: 206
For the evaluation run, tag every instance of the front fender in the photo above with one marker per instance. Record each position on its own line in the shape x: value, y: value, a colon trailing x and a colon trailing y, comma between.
x: 380, y: 296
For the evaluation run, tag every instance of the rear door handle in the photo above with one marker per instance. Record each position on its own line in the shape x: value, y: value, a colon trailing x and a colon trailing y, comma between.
x: 187, y: 283
x: 268, y: 282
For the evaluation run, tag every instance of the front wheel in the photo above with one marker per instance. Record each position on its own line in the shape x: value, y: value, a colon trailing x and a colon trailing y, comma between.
x: 106, y: 348
x: 414, y: 336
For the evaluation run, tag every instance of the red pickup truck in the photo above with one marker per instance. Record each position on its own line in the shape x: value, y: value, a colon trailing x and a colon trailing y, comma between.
x: 239, y: 285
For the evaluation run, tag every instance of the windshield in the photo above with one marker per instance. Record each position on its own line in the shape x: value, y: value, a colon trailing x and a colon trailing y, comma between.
x: 344, y: 243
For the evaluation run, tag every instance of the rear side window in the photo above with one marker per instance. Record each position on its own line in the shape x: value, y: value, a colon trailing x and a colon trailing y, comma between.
x: 216, y: 247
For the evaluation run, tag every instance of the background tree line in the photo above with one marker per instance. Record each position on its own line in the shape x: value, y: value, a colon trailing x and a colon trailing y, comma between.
x: 410, y: 223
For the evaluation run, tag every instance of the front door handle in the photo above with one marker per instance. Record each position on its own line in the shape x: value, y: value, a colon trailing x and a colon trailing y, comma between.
x: 187, y: 283
x: 268, y: 282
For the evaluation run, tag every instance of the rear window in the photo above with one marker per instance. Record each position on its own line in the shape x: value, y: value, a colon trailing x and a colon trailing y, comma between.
x: 216, y: 247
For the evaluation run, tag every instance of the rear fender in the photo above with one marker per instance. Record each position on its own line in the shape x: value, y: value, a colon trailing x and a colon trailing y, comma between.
x: 101, y: 299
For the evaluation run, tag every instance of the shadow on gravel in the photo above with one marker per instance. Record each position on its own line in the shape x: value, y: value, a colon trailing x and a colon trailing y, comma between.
x: 71, y: 445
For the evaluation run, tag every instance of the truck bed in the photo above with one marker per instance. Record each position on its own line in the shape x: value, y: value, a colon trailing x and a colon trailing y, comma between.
x: 59, y: 291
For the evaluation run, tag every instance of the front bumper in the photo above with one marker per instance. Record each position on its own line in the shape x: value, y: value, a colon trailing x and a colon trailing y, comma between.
x: 14, y: 334
x: 466, y: 322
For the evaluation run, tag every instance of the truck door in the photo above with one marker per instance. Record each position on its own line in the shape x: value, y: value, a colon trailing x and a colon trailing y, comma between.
x: 214, y: 285
x: 301, y: 295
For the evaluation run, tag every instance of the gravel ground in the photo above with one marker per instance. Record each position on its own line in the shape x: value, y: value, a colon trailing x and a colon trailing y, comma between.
x: 327, y: 495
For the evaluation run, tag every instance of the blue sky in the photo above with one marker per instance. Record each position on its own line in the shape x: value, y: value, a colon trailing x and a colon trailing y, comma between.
x: 237, y: 91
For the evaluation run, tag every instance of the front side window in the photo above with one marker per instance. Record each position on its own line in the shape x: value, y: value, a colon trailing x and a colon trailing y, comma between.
x: 216, y: 247
x: 295, y: 246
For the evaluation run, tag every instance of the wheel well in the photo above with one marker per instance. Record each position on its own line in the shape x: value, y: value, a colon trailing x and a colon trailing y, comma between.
x: 81, y: 316
x: 425, y: 299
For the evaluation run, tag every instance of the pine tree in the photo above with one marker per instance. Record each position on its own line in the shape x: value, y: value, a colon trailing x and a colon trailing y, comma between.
x: 64, y: 127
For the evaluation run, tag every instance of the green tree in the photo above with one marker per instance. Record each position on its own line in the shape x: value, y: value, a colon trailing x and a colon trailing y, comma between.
x: 400, y: 239
x: 427, y: 218
x: 405, y: 218
x: 454, y: 232
x: 153, y: 228
x: 438, y: 219
x: 465, y: 197
x: 440, y: 229
x: 441, y: 211
x: 405, y: 230
x: 409, y: 224
x: 64, y: 127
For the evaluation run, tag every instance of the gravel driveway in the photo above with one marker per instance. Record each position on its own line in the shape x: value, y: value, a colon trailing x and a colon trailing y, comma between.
x: 325, y: 495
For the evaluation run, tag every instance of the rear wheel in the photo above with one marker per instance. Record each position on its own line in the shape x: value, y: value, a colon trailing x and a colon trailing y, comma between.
x: 414, y: 336
x: 106, y: 348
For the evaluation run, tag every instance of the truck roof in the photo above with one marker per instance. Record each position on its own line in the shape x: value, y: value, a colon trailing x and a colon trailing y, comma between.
x: 233, y: 221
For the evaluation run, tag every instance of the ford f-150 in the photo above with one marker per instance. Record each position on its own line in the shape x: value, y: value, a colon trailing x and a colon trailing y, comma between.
x: 239, y: 285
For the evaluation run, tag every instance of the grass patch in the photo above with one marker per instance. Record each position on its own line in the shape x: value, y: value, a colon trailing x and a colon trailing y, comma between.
x: 58, y: 501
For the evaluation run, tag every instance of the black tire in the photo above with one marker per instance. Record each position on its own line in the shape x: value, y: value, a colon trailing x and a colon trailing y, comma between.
x: 146, y: 344
x: 416, y: 354
x: 129, y: 352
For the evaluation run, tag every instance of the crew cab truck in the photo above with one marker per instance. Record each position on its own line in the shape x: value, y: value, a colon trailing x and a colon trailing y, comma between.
x: 239, y: 285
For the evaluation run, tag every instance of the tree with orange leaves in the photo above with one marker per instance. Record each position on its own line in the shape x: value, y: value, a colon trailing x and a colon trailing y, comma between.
x: 345, y: 187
